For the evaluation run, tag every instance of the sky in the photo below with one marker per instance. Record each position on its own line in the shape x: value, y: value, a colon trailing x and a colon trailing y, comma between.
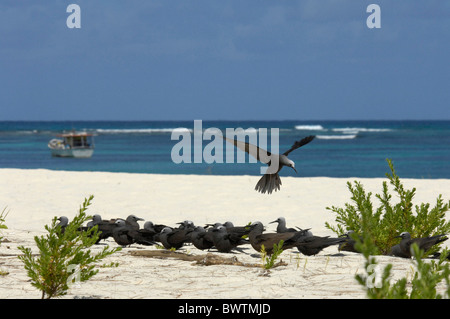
x: 224, y: 60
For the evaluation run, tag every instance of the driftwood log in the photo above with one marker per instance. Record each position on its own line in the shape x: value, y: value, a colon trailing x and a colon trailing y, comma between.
x: 202, y: 260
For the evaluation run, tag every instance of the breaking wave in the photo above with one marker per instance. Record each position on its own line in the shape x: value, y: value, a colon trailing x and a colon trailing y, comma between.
x: 142, y: 130
x: 309, y: 127
x: 337, y: 137
x: 356, y: 130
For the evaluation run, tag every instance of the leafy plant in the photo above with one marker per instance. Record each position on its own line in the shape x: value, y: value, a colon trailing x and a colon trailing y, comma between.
x: 3, y: 215
x: 423, y: 284
x: 63, y: 255
x: 378, y: 227
x: 269, y: 261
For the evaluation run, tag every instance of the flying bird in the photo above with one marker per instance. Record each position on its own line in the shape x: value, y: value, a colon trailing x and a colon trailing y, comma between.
x: 270, y: 181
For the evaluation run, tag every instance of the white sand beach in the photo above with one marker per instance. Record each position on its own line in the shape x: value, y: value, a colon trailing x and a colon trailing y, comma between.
x: 34, y: 197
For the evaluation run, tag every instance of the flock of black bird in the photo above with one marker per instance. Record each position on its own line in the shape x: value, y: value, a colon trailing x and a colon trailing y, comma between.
x: 226, y: 237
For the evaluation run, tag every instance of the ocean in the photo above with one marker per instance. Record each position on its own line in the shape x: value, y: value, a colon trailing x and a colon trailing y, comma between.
x: 418, y: 149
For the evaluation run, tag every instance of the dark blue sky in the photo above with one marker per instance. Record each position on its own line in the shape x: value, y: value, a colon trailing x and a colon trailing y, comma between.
x: 227, y: 59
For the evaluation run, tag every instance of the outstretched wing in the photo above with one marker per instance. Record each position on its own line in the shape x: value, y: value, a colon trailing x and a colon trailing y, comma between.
x: 251, y: 149
x: 300, y: 143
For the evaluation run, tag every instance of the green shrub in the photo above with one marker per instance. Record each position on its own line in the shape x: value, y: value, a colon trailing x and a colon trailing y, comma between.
x: 423, y: 284
x: 378, y: 227
x: 63, y: 255
x: 3, y: 215
x: 269, y: 261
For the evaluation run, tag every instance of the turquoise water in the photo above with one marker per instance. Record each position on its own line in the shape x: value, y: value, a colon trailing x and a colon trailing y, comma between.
x: 419, y: 149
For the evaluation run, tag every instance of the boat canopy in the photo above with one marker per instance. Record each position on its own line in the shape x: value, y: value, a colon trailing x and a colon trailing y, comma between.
x: 75, y: 134
x: 78, y: 139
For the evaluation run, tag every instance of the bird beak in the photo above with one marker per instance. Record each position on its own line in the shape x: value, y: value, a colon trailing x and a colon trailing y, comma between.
x: 294, y: 170
x: 273, y: 222
x: 140, y: 218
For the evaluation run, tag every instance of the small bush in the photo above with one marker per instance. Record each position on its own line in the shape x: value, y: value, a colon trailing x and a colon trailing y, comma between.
x: 3, y: 215
x: 269, y: 261
x: 423, y: 285
x: 63, y: 255
x: 378, y: 227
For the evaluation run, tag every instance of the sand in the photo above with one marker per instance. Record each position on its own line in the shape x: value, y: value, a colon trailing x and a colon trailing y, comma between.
x: 34, y: 197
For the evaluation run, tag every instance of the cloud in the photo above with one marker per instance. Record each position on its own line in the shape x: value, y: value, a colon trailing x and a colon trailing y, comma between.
x: 234, y: 30
x: 234, y: 54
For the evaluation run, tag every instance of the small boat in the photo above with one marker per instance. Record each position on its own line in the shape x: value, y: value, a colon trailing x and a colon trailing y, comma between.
x: 72, y: 144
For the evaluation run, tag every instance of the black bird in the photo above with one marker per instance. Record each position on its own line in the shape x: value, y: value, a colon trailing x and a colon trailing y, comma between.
x: 157, y: 228
x: 403, y: 249
x: 96, y: 219
x: 105, y: 230
x: 163, y: 237
x: 209, y: 235
x: 187, y: 224
x: 121, y: 233
x: 310, y: 245
x: 281, y: 228
x: 132, y: 221
x: 257, y: 238
x: 174, y: 238
x: 199, y: 238
x: 238, y: 230
x: 106, y: 227
x: 270, y: 181
x: 144, y: 236
x: 438, y: 255
x: 349, y: 243
x: 224, y: 241
x: 210, y: 227
x: 63, y: 222
x: 150, y: 228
